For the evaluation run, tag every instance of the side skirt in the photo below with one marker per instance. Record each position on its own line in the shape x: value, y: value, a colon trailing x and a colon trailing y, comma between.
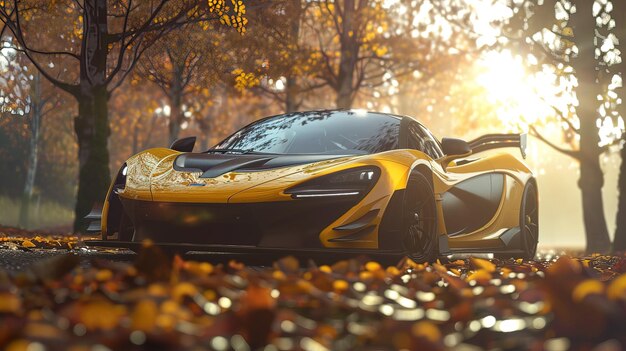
x: 511, y: 244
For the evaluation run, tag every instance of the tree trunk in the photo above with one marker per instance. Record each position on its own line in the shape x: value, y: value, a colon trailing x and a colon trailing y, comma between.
x: 619, y: 14
x: 590, y: 183
x: 204, y: 124
x: 35, y: 123
x: 204, y: 142
x: 291, y: 87
x: 92, y: 130
x: 291, y: 95
x: 91, y: 125
x: 135, y: 137
x: 348, y: 57
x: 206, y: 136
x: 619, y: 244
x: 176, y: 97
x: 591, y: 176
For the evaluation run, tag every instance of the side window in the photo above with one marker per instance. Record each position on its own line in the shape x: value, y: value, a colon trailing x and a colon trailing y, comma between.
x: 433, y: 144
x: 420, y: 139
x: 415, y: 141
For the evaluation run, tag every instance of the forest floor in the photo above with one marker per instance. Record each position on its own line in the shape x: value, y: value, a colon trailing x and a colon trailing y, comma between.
x: 57, y: 294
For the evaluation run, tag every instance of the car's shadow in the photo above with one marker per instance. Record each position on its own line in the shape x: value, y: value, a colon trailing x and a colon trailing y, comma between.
x: 256, y: 259
x: 263, y: 259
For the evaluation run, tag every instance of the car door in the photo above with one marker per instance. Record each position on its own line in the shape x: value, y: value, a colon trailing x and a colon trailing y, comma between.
x: 469, y: 204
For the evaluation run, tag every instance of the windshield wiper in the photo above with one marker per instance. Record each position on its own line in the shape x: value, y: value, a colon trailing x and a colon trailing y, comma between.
x: 237, y: 151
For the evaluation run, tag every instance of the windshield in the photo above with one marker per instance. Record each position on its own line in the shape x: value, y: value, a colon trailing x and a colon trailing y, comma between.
x: 319, y: 132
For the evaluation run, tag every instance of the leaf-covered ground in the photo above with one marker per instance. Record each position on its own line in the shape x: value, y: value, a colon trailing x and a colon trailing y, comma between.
x: 554, y: 303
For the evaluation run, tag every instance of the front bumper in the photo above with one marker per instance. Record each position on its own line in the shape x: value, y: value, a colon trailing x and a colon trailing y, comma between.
x: 282, y: 224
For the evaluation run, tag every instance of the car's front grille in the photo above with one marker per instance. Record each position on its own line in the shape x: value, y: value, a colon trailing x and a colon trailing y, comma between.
x: 295, y: 223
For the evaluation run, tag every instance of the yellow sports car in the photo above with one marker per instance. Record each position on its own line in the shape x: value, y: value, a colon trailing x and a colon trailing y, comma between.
x: 328, y: 181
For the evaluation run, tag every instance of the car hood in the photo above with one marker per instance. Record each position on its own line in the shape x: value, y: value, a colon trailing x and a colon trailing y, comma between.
x: 213, y: 165
x: 205, y: 177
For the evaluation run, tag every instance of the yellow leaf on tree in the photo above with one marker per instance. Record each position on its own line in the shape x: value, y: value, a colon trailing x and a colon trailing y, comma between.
x: 381, y: 51
x: 568, y: 31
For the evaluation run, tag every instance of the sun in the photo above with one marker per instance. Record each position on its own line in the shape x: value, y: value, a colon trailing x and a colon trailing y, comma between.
x: 520, y: 98
x: 542, y: 97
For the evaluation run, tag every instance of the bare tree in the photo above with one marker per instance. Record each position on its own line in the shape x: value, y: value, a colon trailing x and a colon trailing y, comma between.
x: 96, y: 45
x: 41, y: 103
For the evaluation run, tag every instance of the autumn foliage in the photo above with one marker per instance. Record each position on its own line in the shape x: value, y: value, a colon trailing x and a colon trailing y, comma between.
x: 164, y: 303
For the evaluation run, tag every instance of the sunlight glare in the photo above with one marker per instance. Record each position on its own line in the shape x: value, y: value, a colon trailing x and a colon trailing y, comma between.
x: 521, y: 98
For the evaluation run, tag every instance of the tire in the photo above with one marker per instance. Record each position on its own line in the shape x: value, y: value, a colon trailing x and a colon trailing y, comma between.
x: 419, y: 222
x: 126, y: 230
x: 529, y: 221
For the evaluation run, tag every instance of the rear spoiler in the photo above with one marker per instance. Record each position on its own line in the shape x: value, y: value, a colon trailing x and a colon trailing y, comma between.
x: 496, y: 141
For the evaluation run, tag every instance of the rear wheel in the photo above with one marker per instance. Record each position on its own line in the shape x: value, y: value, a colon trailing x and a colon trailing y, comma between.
x: 529, y: 221
x: 419, y: 227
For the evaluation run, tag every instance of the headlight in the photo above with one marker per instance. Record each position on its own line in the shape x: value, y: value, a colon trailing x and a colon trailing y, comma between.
x: 120, y: 180
x: 353, y: 182
x: 356, y: 177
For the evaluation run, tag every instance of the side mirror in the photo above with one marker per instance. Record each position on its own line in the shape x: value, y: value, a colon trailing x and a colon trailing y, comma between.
x: 455, y: 147
x: 184, y: 144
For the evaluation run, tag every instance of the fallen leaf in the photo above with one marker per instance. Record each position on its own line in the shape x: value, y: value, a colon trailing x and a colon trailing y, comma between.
x: 28, y: 244
x: 617, y: 288
x: 480, y: 263
x: 10, y: 303
x: 426, y: 330
x: 585, y: 288
x: 144, y: 315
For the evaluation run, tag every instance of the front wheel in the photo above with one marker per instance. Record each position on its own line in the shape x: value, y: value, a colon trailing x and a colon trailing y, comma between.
x: 126, y: 230
x: 419, y: 226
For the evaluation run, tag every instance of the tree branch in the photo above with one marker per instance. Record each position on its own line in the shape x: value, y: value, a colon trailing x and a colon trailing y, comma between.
x: 571, y: 153
x: 16, y: 30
